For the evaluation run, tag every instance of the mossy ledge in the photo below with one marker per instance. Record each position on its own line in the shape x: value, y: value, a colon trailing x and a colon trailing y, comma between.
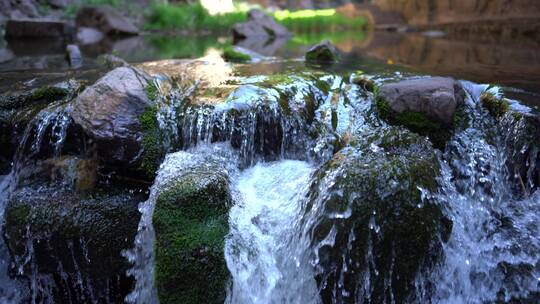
x: 364, y: 82
x: 230, y: 55
x: 414, y: 121
x: 496, y: 107
x: 190, y: 221
x: 151, y: 142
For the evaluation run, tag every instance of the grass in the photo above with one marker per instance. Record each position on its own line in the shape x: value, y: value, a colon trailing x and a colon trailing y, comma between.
x: 191, y: 17
x: 195, y: 17
x: 317, y: 20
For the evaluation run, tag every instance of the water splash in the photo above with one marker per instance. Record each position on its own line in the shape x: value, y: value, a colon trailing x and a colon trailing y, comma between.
x: 494, y: 250
x: 260, y: 250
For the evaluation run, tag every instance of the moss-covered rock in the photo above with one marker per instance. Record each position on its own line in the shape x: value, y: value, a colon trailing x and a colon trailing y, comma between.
x: 71, y: 245
x: 191, y: 221
x: 364, y: 82
x: 324, y: 52
x: 415, y: 121
x: 371, y: 200
x: 17, y: 109
x: 232, y: 55
x: 497, y: 107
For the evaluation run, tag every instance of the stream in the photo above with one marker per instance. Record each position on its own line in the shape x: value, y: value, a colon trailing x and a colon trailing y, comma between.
x: 282, y: 183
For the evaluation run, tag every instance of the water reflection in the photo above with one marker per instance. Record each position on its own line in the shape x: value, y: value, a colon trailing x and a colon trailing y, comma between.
x: 512, y: 64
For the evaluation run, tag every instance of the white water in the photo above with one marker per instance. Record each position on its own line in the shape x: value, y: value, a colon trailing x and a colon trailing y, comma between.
x: 259, y: 249
x: 494, y: 249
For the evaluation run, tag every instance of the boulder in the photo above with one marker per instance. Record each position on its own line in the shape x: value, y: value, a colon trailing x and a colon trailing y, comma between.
x: 259, y: 25
x: 371, y: 220
x: 70, y: 246
x: 191, y: 222
x: 89, y: 35
x: 427, y: 106
x: 116, y: 112
x: 436, y: 97
x: 37, y: 28
x: 324, y: 52
x: 106, y: 19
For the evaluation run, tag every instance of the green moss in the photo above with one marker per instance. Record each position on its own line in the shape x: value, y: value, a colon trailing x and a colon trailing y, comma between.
x: 191, y: 223
x: 318, y: 20
x: 274, y: 80
x: 321, y: 54
x: 151, y: 91
x: 497, y: 107
x: 151, y: 142
x: 461, y: 119
x: 414, y: 121
x: 48, y: 94
x: 229, y: 54
x: 364, y: 82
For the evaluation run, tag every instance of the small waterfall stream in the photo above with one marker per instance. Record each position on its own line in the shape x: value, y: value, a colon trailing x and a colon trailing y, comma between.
x: 50, y: 124
x: 260, y: 249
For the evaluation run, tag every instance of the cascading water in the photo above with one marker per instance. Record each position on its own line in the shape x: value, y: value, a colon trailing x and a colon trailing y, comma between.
x: 494, y: 250
x: 260, y: 250
x: 51, y: 123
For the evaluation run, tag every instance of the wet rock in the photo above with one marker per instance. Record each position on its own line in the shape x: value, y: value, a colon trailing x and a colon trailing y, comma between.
x: 72, y: 172
x: 18, y: 108
x: 436, y: 97
x: 88, y: 35
x: 37, y: 28
x: 74, y: 56
x: 427, y: 106
x: 69, y: 247
x: 106, y: 19
x: 372, y: 225
x: 324, y: 52
x: 118, y: 112
x: 259, y: 25
x: 191, y: 221
x: 521, y: 133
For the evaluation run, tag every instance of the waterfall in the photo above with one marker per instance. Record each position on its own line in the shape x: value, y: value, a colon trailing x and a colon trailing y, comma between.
x: 494, y: 250
x: 260, y: 249
x: 50, y: 125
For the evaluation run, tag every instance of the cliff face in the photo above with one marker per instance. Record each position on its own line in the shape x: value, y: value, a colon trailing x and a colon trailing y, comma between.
x: 423, y: 12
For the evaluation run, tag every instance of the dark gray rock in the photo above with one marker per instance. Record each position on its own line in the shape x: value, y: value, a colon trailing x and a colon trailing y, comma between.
x: 109, y: 112
x: 259, y: 25
x: 436, y: 97
x: 37, y: 28
x: 59, y: 3
x: 71, y: 245
x: 106, y: 19
x: 324, y: 52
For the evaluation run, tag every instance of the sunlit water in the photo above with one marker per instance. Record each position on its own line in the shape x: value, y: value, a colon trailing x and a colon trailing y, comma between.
x: 259, y: 249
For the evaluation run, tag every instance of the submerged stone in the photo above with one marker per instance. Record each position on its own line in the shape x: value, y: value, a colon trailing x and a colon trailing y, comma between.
x: 372, y: 223
x: 68, y: 247
x: 191, y: 221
